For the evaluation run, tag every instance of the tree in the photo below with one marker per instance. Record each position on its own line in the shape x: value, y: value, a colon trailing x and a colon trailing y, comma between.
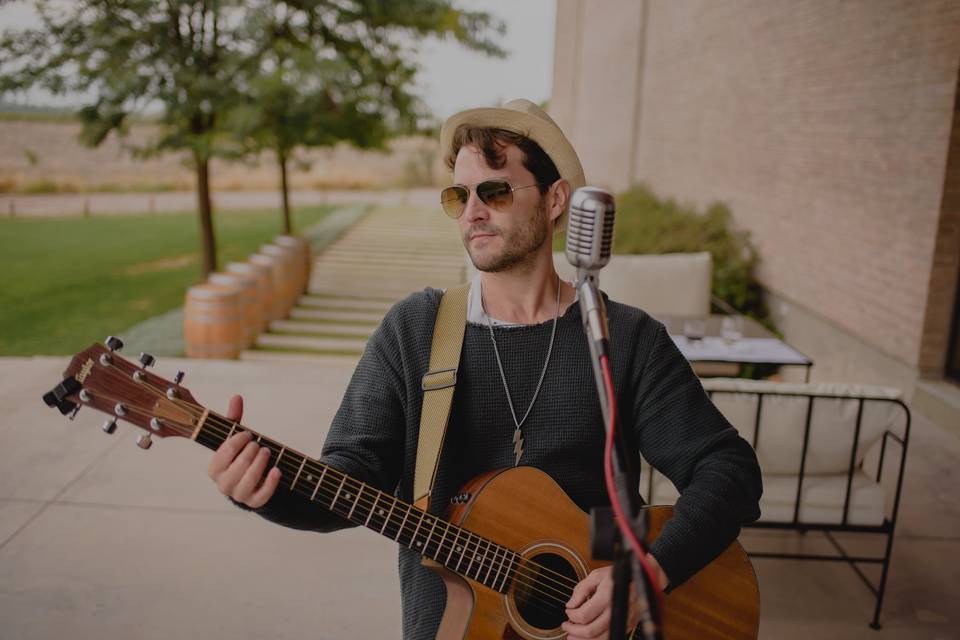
x: 198, y: 60
x: 342, y: 72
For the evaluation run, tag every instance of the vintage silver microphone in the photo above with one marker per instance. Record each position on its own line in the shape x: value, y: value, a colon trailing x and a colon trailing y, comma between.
x: 589, y: 242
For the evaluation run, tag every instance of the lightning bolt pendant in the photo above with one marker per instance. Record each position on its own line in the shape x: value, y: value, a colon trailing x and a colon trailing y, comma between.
x: 517, y: 446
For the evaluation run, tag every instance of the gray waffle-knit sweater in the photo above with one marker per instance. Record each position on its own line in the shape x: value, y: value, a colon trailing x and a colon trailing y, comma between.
x: 677, y: 429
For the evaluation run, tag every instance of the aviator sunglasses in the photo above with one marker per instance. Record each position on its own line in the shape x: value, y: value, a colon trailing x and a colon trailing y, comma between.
x: 496, y: 193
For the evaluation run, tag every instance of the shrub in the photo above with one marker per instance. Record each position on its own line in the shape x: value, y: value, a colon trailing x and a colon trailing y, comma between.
x: 647, y: 224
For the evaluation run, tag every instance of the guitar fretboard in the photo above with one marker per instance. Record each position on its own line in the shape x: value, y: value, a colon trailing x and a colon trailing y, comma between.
x: 454, y: 547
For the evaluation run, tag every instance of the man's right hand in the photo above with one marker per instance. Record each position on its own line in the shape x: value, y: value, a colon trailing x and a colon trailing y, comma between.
x: 237, y: 466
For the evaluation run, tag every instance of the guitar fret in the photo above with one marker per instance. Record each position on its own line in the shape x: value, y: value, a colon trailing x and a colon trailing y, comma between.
x: 489, y: 566
x: 389, y: 513
x: 430, y: 536
x: 376, y: 498
x: 279, y: 455
x: 462, y: 552
x: 337, y: 494
x: 413, y: 538
x: 299, y: 471
x: 473, y: 555
x: 319, y: 482
x: 506, y: 574
x: 235, y: 425
x: 446, y: 530
x: 356, y: 501
x: 402, y: 524
x: 499, y: 563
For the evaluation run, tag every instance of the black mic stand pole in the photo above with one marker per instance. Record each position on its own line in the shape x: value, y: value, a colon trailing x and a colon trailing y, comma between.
x: 606, y: 539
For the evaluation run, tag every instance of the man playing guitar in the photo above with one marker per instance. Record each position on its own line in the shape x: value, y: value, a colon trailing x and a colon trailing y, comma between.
x: 525, y: 392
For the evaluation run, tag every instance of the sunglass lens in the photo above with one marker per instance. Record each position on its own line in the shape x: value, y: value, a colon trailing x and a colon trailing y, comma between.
x: 453, y: 200
x: 496, y: 194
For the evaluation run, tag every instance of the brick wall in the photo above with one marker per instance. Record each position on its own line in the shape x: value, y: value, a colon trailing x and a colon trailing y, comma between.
x: 824, y: 126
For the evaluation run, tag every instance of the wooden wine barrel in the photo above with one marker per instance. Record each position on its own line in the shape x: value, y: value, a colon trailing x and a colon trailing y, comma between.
x: 281, y: 274
x: 213, y: 322
x: 294, y: 283
x: 303, y: 246
x: 249, y: 301
x: 264, y: 277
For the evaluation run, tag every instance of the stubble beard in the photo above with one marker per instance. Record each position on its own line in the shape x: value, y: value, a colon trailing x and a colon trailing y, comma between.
x: 519, y: 247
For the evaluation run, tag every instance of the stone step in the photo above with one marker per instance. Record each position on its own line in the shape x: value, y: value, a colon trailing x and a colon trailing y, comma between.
x: 346, y: 317
x: 375, y: 271
x: 270, y: 355
x: 331, y: 329
x: 309, y: 343
x: 343, y: 304
x: 395, y: 290
x: 359, y: 257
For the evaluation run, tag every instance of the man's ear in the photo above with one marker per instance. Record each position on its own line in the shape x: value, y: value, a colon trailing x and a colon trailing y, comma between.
x: 558, y: 199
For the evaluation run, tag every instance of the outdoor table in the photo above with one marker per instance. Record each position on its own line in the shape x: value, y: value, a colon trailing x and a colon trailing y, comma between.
x: 757, y: 346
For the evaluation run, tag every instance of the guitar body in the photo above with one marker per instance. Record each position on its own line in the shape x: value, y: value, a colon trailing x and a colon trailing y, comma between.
x: 525, y: 510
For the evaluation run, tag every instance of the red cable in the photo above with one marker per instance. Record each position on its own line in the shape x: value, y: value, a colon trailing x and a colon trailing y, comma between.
x: 625, y: 528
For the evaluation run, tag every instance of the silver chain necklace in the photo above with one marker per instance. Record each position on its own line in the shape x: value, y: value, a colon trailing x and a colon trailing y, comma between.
x: 518, y: 435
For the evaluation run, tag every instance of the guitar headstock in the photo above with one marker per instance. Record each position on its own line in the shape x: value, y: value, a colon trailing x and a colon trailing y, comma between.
x: 98, y: 377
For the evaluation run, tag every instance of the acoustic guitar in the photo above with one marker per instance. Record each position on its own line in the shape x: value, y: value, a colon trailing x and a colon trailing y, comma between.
x: 510, y: 549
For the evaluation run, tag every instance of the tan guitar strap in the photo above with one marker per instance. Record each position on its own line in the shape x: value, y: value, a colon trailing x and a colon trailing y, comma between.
x: 438, y: 385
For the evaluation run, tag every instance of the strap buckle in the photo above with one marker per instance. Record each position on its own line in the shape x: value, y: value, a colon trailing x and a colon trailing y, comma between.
x: 443, y: 382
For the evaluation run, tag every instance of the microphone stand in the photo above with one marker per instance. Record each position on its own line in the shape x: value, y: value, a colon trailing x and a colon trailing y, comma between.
x: 607, y: 540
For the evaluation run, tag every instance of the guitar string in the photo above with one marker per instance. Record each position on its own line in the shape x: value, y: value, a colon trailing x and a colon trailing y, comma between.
x: 563, y: 579
x: 525, y: 570
x: 495, y: 561
x: 494, y: 558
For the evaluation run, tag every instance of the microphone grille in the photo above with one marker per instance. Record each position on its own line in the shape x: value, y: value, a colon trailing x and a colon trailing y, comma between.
x: 590, y: 228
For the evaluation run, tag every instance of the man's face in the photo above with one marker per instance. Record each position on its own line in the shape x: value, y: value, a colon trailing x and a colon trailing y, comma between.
x: 500, y: 240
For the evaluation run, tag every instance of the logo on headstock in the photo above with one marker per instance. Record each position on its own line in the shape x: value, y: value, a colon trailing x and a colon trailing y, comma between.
x: 85, y: 370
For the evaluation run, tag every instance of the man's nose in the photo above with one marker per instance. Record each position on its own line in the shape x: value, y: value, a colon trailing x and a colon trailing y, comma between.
x: 475, y: 210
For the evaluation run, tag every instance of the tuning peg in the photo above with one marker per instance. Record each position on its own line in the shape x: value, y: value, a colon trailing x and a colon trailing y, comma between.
x: 76, y: 410
x: 114, y: 344
x: 177, y: 379
x: 146, y: 360
x: 110, y: 426
x: 144, y: 441
x: 156, y: 423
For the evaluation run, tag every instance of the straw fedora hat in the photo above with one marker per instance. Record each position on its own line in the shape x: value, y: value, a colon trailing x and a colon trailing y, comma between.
x: 523, y: 117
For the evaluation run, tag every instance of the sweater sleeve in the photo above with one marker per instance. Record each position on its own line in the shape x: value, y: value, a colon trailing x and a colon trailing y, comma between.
x: 365, y: 440
x: 685, y: 437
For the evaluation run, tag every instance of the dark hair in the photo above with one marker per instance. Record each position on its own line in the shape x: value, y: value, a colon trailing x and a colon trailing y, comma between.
x: 491, y: 142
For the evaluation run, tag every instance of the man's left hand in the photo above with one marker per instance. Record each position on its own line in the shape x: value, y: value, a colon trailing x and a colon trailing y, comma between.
x: 588, y: 611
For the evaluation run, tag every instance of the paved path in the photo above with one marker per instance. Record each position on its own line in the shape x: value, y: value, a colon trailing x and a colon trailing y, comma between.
x: 76, y: 204
x: 390, y: 253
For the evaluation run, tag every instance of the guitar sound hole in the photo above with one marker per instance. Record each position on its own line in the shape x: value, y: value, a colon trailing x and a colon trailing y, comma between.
x: 542, y: 588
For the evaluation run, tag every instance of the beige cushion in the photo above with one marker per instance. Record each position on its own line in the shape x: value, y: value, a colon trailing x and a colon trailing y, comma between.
x: 821, y: 503
x: 675, y: 284
x: 783, y: 416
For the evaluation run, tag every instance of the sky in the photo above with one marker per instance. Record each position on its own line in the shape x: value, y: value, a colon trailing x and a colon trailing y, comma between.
x: 451, y: 78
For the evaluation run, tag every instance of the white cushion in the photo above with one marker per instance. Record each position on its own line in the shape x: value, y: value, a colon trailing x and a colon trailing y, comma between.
x: 783, y: 418
x: 821, y: 503
x: 661, y: 284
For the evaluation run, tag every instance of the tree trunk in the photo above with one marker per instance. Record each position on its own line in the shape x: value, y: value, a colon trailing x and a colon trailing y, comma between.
x: 206, y: 216
x: 285, y: 189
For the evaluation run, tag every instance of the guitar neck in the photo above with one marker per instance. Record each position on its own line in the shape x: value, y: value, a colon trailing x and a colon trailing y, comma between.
x: 362, y: 504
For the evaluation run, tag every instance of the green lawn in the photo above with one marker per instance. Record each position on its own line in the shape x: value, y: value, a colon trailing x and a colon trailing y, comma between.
x: 67, y: 282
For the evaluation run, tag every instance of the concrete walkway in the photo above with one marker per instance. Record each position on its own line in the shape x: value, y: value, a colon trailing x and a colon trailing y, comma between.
x: 99, y: 539
x: 390, y: 253
x: 78, y: 204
